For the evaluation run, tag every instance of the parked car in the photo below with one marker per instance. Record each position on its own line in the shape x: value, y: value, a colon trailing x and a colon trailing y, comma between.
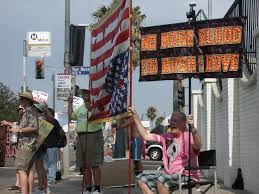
x: 154, y: 150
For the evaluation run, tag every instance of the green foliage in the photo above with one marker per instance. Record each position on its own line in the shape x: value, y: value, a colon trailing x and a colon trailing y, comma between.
x: 137, y: 19
x: 9, y: 103
x: 159, y: 120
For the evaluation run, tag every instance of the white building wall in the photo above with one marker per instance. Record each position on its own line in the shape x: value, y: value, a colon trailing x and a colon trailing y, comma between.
x: 249, y: 136
x: 220, y: 129
x: 234, y: 120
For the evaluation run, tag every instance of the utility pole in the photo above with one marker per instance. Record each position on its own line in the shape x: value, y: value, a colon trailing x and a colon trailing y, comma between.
x: 66, y: 158
x: 54, y: 93
x: 25, y: 53
x: 210, y: 9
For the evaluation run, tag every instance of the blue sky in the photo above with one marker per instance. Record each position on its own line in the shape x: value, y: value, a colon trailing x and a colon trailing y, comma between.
x: 19, y: 17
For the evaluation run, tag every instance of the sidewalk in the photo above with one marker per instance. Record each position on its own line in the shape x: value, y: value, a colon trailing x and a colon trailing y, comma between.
x: 72, y: 185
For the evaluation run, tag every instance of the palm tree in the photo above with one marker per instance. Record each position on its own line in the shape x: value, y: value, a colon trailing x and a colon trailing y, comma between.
x: 137, y: 19
x: 159, y: 120
x: 151, y: 114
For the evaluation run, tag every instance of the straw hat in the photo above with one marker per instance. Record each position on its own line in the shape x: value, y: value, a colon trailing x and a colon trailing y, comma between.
x: 27, y: 95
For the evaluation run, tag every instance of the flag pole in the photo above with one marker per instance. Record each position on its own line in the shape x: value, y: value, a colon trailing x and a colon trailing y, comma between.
x: 130, y: 92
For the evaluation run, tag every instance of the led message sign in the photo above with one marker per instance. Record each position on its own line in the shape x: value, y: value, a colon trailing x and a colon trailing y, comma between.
x: 202, y: 49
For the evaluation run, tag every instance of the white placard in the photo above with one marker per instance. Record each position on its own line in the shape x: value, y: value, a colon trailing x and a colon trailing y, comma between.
x: 62, y: 118
x: 77, y: 102
x: 40, y: 96
x: 39, y: 38
x: 63, y: 85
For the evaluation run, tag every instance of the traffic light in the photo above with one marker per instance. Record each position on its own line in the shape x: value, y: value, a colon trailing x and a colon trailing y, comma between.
x: 39, y: 69
x: 77, y: 43
x: 181, y: 97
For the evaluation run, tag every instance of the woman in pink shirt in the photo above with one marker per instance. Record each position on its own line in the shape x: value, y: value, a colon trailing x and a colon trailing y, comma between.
x: 175, y: 154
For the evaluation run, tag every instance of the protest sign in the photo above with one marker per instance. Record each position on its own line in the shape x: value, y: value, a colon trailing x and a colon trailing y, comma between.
x: 44, y: 129
x: 62, y: 118
x: 63, y: 85
x: 201, y: 49
x: 40, y: 96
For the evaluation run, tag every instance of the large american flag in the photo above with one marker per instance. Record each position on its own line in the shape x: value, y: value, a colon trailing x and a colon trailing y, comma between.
x: 109, y: 63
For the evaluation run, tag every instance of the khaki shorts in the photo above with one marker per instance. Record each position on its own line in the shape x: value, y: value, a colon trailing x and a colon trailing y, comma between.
x: 89, y: 149
x: 24, y: 159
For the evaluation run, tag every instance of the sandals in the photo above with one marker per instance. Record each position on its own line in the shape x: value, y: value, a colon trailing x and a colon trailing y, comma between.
x: 14, y: 188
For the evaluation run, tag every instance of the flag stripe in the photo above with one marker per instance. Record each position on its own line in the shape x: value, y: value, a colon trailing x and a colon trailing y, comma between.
x: 101, y: 28
x: 105, y: 100
x: 95, y: 91
x: 111, y: 34
x: 99, y: 74
x: 101, y: 58
x: 124, y: 26
x: 100, y: 116
x: 123, y: 36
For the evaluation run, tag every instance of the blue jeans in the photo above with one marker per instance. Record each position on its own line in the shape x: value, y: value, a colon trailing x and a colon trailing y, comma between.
x: 50, y: 163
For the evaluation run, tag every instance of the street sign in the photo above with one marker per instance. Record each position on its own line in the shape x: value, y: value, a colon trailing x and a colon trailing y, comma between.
x: 39, y: 38
x: 39, y: 44
x: 39, y: 51
x: 79, y: 70
x: 63, y: 85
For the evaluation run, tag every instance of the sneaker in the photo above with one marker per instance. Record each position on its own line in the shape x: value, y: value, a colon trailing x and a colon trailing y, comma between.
x: 51, y: 182
x: 96, y: 192
x: 48, y: 191
x: 37, y: 191
x: 86, y: 192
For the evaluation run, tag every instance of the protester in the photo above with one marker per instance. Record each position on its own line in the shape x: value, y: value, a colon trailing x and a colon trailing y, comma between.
x: 51, y: 143
x: 113, y: 135
x: 40, y: 155
x: 89, y: 148
x: 17, y: 185
x: 119, y: 147
x: 136, y: 151
x: 175, y: 153
x: 26, y: 147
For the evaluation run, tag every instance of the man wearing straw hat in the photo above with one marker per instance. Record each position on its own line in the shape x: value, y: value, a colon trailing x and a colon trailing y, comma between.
x: 28, y: 133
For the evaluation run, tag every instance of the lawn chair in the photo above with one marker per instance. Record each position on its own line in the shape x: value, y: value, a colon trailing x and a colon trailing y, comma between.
x: 207, y: 161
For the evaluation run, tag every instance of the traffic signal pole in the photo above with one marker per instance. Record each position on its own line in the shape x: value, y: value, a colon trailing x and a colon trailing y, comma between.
x: 24, y: 66
x: 67, y: 70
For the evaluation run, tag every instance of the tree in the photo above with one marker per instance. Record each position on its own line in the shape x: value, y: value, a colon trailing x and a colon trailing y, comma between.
x: 8, y: 104
x: 159, y: 120
x: 137, y: 19
x: 151, y: 114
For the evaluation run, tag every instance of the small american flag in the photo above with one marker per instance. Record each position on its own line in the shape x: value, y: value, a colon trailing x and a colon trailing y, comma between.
x: 109, y: 63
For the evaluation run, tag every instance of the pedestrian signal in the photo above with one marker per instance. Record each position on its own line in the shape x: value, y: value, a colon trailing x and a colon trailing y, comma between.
x: 39, y: 69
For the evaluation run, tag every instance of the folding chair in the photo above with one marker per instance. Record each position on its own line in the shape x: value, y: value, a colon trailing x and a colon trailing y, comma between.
x: 207, y: 161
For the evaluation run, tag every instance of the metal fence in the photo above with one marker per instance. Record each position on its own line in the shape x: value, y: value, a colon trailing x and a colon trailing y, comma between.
x: 248, y: 9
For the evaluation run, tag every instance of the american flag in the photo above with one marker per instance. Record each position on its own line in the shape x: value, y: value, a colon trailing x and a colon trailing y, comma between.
x: 109, y: 63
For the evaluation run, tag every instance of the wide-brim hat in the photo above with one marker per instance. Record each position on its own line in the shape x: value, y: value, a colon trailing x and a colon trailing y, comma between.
x: 27, y: 95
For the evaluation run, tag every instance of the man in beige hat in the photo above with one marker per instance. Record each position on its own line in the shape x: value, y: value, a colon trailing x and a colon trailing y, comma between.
x: 28, y: 134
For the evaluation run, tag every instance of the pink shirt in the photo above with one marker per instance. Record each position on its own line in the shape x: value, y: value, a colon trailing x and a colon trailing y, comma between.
x: 176, y: 153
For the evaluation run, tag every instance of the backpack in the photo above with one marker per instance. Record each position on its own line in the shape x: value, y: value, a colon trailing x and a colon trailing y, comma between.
x: 62, y: 139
